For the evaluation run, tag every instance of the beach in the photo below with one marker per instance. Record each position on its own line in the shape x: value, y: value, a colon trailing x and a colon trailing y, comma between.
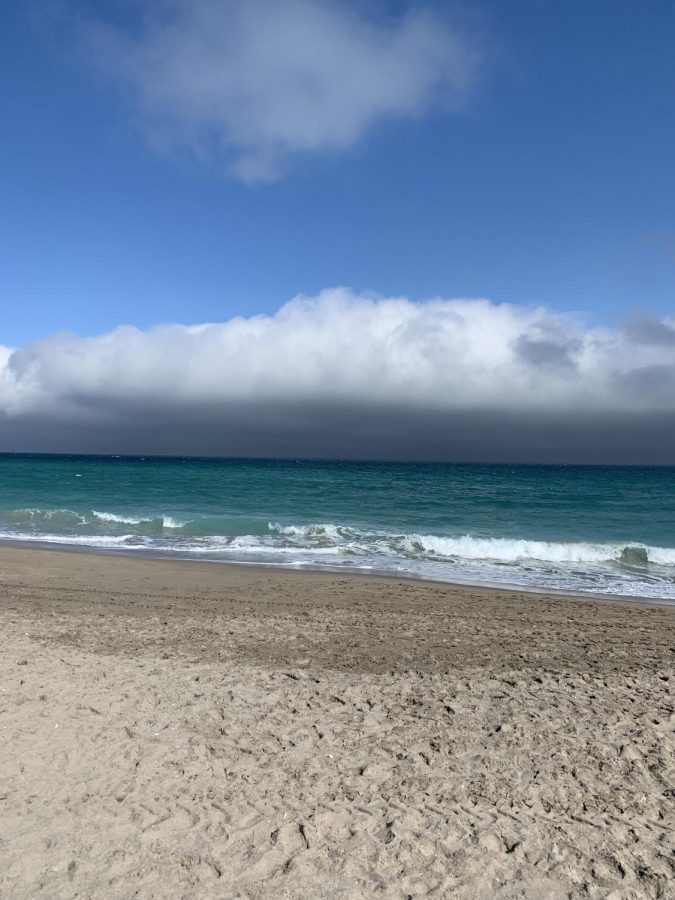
x: 195, y: 730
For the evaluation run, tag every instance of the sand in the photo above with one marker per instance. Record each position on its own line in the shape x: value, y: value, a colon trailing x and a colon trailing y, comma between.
x: 171, y: 729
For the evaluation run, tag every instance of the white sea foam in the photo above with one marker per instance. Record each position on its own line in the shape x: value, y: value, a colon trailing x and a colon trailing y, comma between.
x: 120, y: 520
x: 87, y: 540
x: 664, y: 556
x: 258, y: 545
x: 513, y: 550
x: 167, y: 521
x: 468, y: 547
x: 632, y: 569
x: 319, y: 530
x: 334, y: 539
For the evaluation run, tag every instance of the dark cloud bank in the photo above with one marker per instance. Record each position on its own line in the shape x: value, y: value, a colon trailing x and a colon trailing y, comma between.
x: 345, y: 376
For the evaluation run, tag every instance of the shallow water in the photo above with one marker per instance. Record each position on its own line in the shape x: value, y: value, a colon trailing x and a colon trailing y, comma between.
x: 600, y: 529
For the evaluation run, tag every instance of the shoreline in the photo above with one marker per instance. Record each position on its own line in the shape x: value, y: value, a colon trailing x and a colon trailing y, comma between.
x: 175, y: 731
x: 46, y: 546
x: 140, y: 589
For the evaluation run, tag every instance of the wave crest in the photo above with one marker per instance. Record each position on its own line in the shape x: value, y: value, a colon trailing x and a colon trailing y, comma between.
x: 513, y: 550
x: 161, y: 521
x: 330, y: 532
x: 629, y: 568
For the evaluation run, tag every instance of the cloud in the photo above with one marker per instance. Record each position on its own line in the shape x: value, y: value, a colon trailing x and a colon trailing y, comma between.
x: 647, y: 330
x: 260, y: 81
x: 347, y: 375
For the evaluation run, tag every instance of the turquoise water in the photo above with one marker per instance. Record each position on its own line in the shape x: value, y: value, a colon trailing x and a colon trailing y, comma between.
x: 608, y: 530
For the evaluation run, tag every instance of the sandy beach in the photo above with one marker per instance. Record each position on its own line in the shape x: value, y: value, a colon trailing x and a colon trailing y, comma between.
x: 184, y: 730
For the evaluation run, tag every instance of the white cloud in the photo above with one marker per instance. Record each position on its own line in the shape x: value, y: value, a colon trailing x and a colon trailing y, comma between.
x: 261, y: 80
x: 341, y: 350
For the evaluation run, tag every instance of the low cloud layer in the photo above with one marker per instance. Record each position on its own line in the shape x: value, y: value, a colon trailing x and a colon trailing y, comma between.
x: 260, y: 81
x: 351, y: 376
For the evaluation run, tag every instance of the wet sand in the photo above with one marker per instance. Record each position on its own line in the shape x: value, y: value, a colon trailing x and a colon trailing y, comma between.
x: 174, y: 729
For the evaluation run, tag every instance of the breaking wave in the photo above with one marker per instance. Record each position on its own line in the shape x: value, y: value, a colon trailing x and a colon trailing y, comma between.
x: 164, y: 521
x: 624, y: 568
x: 330, y: 532
x: 512, y: 551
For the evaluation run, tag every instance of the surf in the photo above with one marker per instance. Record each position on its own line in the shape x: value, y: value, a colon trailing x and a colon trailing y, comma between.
x: 576, y: 529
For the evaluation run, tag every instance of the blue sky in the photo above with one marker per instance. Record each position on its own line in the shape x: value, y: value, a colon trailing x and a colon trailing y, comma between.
x: 552, y: 183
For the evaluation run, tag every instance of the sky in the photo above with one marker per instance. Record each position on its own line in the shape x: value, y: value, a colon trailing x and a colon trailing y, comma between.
x: 455, y: 215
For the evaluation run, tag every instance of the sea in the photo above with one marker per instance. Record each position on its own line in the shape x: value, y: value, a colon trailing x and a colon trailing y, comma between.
x: 606, y: 530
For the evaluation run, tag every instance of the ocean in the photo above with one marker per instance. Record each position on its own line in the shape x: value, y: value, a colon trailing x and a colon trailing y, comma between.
x: 598, y: 529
